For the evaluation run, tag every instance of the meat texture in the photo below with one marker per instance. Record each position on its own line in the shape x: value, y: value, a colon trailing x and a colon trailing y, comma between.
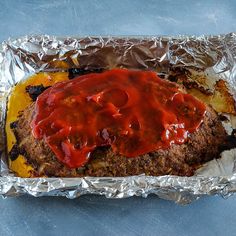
x: 203, y: 145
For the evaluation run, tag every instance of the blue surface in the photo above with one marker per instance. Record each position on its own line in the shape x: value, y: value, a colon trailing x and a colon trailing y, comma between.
x: 92, y: 215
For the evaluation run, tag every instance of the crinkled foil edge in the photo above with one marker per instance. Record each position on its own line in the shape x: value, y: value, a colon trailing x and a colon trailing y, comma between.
x: 24, y: 56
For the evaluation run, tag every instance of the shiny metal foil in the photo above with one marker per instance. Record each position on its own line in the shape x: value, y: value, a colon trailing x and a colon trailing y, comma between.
x: 25, y: 56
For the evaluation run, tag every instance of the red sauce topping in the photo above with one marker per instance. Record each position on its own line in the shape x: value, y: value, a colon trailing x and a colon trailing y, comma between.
x: 135, y: 112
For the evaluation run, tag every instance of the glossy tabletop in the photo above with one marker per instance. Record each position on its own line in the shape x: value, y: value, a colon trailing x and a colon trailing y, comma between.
x: 95, y: 215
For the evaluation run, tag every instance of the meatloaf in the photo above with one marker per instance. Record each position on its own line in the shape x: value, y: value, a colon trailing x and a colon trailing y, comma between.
x: 203, y: 145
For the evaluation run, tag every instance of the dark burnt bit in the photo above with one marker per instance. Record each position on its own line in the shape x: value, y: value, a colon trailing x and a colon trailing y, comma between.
x: 35, y: 90
x: 15, y: 152
x: 173, y: 78
x: 193, y: 84
x: 223, y: 118
x: 233, y: 133
x: 29, y: 161
x: 80, y: 170
x: 74, y: 72
x: 100, y: 152
x: 161, y: 75
x: 230, y: 142
x: 152, y: 155
x: 13, y: 125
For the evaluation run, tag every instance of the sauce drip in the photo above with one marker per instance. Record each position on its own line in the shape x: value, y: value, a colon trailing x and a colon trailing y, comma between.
x: 134, y: 112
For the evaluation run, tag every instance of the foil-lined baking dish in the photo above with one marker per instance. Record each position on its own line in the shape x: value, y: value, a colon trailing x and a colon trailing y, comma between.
x: 211, y: 57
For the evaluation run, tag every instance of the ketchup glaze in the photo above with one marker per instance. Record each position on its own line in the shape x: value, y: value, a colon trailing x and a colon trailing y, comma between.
x: 134, y: 112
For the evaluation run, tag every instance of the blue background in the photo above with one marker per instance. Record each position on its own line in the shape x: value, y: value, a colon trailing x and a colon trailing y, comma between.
x: 93, y: 215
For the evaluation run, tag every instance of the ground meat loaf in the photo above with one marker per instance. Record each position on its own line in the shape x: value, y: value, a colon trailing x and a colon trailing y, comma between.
x: 203, y: 145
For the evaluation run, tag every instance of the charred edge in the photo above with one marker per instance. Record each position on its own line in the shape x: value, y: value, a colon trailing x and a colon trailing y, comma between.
x: 181, y: 76
x: 28, y: 160
x: 15, y: 152
x: 35, y: 90
x: 193, y: 84
x: 230, y: 142
x: 74, y: 72
x: 13, y: 127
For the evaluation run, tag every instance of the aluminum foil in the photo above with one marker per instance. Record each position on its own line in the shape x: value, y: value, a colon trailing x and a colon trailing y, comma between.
x: 214, y: 55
